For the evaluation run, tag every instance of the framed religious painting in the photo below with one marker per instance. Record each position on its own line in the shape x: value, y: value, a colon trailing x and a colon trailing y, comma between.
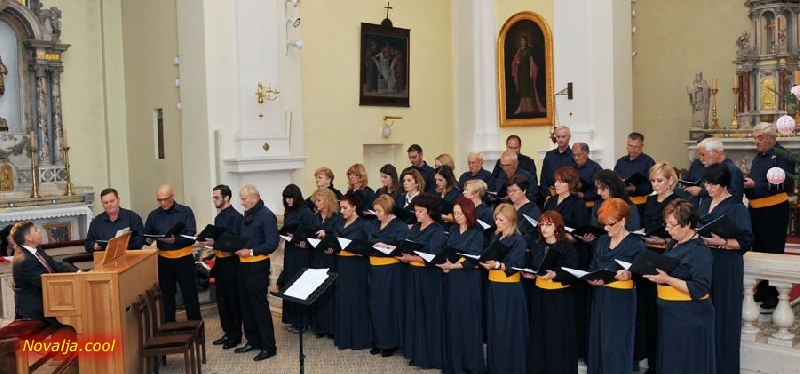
x: 525, y: 71
x: 384, y: 66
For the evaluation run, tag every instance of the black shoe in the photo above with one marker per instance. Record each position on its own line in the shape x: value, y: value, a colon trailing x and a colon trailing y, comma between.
x: 231, y: 343
x: 388, y: 352
x: 769, y: 304
x: 374, y: 351
x: 292, y: 329
x: 224, y: 339
x: 246, y: 348
x: 265, y: 354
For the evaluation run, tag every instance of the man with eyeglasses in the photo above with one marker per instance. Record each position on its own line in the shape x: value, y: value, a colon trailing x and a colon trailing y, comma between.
x: 710, y: 151
x: 768, y: 203
x: 175, y: 256
x: 475, y: 170
x: 509, y: 164
x: 587, y: 169
x: 226, y: 268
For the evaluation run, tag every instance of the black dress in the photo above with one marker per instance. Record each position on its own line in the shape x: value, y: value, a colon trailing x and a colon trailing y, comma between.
x: 386, y: 286
x: 424, y: 330
x: 323, y: 310
x: 352, y: 291
x: 294, y: 259
x: 462, y: 306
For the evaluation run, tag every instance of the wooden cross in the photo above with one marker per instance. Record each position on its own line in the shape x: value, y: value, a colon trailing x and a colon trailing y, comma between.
x: 387, y: 7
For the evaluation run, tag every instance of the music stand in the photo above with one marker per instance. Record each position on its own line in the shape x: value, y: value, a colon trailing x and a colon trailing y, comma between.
x: 319, y: 289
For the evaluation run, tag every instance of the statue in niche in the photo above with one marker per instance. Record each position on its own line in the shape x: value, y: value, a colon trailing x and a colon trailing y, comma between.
x: 6, y: 178
x: 767, y: 94
x: 699, y: 97
x: 743, y: 42
x: 3, y: 72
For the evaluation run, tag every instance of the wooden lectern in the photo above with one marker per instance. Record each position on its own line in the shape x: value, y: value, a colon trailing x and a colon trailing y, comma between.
x: 97, y: 304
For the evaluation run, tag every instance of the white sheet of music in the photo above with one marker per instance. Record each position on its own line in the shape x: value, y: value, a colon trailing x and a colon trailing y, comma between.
x: 576, y: 272
x: 625, y: 265
x: 308, y: 282
x: 383, y: 250
x: 344, y: 242
x: 484, y: 224
x: 314, y: 242
x: 425, y: 256
x: 531, y: 220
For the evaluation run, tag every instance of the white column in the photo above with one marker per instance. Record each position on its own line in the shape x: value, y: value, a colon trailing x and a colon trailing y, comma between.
x: 592, y: 49
x: 475, y: 84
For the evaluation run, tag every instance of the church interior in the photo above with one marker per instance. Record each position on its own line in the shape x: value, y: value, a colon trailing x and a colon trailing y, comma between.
x: 134, y: 94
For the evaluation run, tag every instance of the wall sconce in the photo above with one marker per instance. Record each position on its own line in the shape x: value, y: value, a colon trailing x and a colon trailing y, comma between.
x: 297, y: 43
x: 386, y: 130
x: 266, y: 93
x: 293, y: 20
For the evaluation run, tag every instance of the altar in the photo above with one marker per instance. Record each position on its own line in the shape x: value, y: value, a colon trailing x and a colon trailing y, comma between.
x: 739, y: 146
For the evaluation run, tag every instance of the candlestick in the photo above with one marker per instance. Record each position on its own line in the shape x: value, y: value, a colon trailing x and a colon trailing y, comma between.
x: 33, y: 140
x: 34, y: 173
x: 735, y: 81
x: 64, y: 132
x: 66, y: 167
x: 735, y: 121
x: 714, y: 119
x: 714, y: 83
x: 796, y: 76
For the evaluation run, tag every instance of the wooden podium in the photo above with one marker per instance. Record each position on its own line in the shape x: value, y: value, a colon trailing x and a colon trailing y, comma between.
x: 97, y: 304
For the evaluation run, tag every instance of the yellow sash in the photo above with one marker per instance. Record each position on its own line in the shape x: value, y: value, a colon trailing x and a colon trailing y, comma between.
x: 255, y: 258
x: 176, y: 253
x: 379, y: 261
x: 549, y: 284
x: 764, y: 202
x: 639, y: 200
x: 621, y: 285
x: 222, y: 254
x: 673, y: 294
x: 500, y: 277
x: 346, y: 253
x: 417, y: 264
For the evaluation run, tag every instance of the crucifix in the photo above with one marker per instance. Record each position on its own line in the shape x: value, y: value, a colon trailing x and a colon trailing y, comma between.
x: 387, y: 7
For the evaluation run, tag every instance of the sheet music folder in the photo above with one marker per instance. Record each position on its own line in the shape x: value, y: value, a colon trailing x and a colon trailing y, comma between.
x: 307, y: 279
x: 723, y: 226
x: 647, y: 261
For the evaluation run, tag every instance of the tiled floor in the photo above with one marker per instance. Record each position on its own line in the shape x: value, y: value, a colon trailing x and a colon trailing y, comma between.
x: 321, y: 356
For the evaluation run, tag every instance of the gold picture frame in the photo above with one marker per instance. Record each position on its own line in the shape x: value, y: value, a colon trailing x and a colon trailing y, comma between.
x: 525, y: 101
x: 58, y: 232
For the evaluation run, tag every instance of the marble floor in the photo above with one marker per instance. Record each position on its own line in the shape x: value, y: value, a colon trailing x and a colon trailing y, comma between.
x: 321, y: 356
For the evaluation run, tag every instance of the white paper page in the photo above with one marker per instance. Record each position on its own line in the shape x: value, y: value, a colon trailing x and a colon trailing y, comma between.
x: 344, y: 242
x: 189, y: 237
x: 314, y: 242
x: 383, y: 250
x: 568, y: 229
x: 308, y: 282
x: 287, y: 238
x: 425, y: 256
x: 577, y: 273
x: 526, y: 270
x: 121, y: 232
x: 625, y: 265
x: 531, y: 220
x: 639, y: 232
x: 484, y: 224
x: 474, y: 257
x: 152, y: 236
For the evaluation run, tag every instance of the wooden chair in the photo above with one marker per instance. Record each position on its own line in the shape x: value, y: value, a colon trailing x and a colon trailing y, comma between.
x: 151, y: 347
x: 196, y: 328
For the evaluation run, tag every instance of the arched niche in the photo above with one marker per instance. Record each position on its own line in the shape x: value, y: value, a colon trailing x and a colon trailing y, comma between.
x: 30, y: 104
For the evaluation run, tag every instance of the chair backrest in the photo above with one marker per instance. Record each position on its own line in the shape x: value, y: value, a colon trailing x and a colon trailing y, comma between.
x: 142, y: 319
x: 158, y: 303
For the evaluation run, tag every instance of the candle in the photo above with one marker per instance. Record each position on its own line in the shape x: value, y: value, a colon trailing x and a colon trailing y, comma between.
x: 735, y: 81
x: 33, y: 140
x: 797, y: 77
x: 64, y: 131
x: 714, y: 83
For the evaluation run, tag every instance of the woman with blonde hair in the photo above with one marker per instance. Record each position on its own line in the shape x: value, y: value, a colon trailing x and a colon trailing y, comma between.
x: 323, y: 179
x: 506, y: 312
x: 444, y: 159
x: 326, y: 221
x: 386, y: 279
x: 358, y: 185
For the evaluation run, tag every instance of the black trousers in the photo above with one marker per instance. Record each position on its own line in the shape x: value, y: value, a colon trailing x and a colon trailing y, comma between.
x: 769, y: 227
x: 225, y: 276
x: 253, y: 282
x: 769, y: 233
x: 180, y: 270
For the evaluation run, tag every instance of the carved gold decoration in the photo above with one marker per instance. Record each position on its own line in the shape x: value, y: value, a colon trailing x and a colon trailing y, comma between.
x: 767, y: 94
x: 6, y: 178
